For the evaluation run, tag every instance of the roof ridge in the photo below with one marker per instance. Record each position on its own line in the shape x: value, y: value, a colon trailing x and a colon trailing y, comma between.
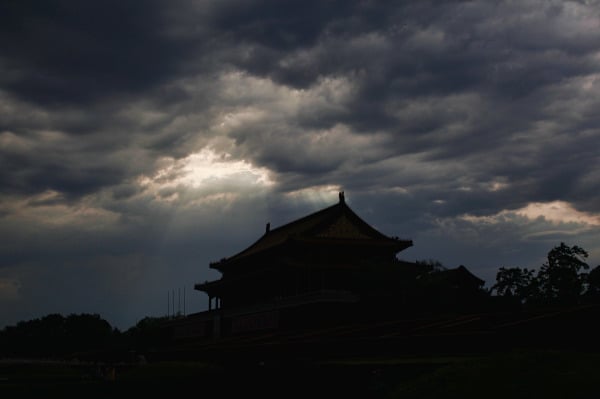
x: 304, y: 218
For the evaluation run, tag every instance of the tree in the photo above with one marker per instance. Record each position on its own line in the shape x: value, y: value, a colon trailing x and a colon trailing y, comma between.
x: 561, y: 278
x: 147, y: 333
x: 55, y: 335
x: 87, y: 332
x: 516, y: 283
x: 593, y: 284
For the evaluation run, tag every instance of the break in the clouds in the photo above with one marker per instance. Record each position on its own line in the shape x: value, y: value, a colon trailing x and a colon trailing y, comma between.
x: 141, y: 140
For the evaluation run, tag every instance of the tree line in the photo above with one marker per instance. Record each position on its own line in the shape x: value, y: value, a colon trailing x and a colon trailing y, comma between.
x: 562, y: 280
x: 80, y: 336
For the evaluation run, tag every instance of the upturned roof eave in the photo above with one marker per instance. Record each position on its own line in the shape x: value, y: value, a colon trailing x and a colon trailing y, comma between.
x: 243, y: 256
x: 396, y: 244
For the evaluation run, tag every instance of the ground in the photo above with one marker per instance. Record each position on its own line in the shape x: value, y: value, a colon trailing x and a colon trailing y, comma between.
x: 518, y: 374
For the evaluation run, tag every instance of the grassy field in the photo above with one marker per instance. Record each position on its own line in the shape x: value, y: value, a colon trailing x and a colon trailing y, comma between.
x: 513, y: 375
x: 507, y: 375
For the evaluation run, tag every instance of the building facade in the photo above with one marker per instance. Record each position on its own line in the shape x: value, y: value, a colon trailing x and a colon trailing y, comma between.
x: 326, y: 268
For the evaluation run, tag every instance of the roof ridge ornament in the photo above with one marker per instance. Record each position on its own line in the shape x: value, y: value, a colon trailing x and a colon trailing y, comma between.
x: 342, y: 198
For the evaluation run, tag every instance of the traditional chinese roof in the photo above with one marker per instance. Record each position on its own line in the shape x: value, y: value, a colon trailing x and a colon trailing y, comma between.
x: 337, y: 224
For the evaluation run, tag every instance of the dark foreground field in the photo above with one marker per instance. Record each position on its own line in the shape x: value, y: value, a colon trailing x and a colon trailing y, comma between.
x: 510, y: 375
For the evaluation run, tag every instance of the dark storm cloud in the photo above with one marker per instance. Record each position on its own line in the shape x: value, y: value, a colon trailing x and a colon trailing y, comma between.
x: 60, y: 52
x: 71, y: 68
x: 276, y: 25
x: 20, y: 177
x: 490, y: 72
x: 416, y: 70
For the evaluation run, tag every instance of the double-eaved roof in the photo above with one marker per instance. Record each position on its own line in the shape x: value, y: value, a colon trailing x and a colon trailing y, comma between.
x: 336, y: 224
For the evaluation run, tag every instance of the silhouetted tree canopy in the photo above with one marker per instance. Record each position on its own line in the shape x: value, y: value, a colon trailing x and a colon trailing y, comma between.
x: 561, y: 280
x: 146, y: 334
x: 83, y: 336
x: 516, y: 283
x: 55, y: 335
x: 593, y: 284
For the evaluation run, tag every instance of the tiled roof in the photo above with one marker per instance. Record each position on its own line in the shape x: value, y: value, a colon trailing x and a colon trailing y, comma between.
x: 334, y: 223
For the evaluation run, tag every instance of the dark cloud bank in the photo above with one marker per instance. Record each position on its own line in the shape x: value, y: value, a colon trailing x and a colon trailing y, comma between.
x: 141, y: 140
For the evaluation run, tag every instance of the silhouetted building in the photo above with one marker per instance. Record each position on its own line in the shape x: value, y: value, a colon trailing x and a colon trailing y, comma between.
x: 310, y: 255
x: 325, y: 268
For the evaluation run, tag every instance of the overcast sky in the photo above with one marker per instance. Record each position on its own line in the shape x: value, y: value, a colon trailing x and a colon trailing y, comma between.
x: 142, y: 140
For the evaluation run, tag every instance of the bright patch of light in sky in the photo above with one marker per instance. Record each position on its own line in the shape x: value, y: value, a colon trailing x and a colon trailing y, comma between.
x: 554, y: 212
x: 216, y: 176
x: 558, y: 212
x: 206, y: 165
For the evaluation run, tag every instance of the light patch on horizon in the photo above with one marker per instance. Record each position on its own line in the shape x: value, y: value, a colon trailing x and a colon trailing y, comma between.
x: 555, y: 212
x: 558, y: 212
